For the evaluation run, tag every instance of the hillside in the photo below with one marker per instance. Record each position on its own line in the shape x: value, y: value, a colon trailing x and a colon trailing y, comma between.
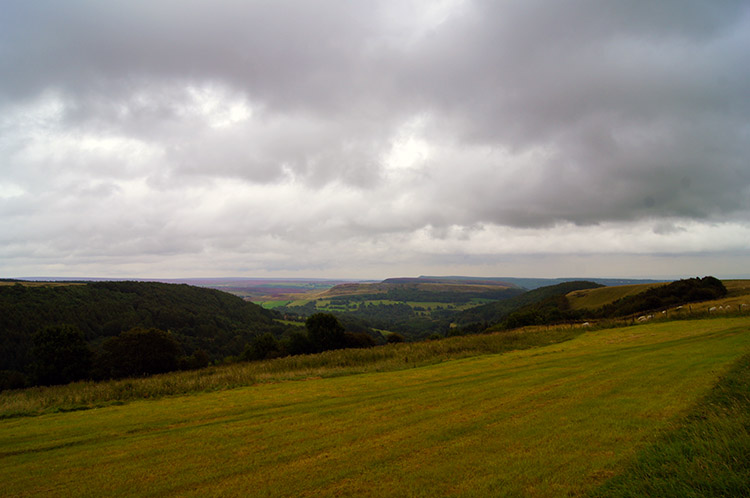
x: 421, y: 289
x: 199, y: 318
x: 559, y: 420
x: 663, y: 297
x: 592, y: 299
x: 496, y: 311
x: 414, y: 307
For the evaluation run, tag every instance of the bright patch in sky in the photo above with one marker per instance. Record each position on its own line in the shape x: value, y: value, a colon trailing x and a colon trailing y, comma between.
x: 409, y: 150
x: 219, y: 108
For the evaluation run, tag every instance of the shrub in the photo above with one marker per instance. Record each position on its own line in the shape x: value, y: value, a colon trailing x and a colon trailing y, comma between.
x: 62, y: 355
x: 140, y: 352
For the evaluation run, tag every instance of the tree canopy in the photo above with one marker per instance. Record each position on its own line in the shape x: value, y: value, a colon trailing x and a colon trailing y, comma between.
x: 61, y: 355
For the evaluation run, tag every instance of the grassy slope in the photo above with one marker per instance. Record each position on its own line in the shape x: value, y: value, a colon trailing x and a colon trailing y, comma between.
x: 494, y: 312
x: 738, y: 292
x: 705, y: 456
x: 391, y: 357
x: 383, y: 287
x: 552, y: 421
x: 596, y: 298
x: 40, y: 284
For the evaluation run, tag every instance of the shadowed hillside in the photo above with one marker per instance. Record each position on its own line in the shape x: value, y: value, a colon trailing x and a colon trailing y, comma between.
x: 197, y: 318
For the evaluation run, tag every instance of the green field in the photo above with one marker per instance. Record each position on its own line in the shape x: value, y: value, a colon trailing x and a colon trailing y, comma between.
x: 552, y: 421
x: 327, y: 305
x: 596, y: 298
x: 40, y: 284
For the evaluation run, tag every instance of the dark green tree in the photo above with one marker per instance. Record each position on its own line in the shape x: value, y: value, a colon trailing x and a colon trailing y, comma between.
x: 140, y: 352
x: 61, y: 355
x: 298, y: 343
x: 394, y: 338
x: 325, y: 331
x: 262, y: 347
x: 358, y: 340
x: 11, y: 379
x: 199, y: 359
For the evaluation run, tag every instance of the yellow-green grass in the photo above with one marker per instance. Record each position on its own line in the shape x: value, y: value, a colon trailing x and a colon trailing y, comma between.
x: 596, y: 298
x: 40, y: 284
x: 706, y: 455
x: 737, y: 301
x: 84, y: 395
x: 552, y: 421
x: 738, y: 293
x: 290, y: 322
x: 737, y: 287
x: 272, y: 304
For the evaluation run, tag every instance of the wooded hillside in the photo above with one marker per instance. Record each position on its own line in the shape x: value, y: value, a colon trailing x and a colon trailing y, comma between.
x: 198, y: 318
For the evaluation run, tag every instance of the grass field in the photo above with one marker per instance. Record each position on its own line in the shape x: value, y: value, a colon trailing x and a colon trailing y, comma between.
x: 85, y: 395
x: 707, y: 455
x: 552, y: 421
x: 596, y: 298
x: 41, y: 284
x: 421, y: 307
x: 738, y: 292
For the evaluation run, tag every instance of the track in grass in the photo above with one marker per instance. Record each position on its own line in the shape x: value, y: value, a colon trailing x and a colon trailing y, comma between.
x: 553, y: 421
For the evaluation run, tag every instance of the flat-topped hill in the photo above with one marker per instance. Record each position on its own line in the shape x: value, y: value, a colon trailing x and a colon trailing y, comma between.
x: 416, y: 289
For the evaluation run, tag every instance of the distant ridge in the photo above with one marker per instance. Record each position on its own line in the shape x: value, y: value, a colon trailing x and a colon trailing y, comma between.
x: 535, y: 283
x: 450, y: 280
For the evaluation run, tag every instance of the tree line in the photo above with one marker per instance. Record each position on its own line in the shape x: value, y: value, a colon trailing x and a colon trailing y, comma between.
x: 51, y: 335
x: 552, y: 306
x: 61, y: 353
x: 203, y: 322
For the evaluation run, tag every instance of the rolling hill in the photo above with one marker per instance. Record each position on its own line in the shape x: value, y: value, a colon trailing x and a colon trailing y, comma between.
x: 496, y: 311
x: 199, y: 318
x: 420, y: 289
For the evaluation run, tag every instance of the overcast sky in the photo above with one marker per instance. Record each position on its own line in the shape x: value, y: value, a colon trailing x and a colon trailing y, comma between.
x: 185, y: 138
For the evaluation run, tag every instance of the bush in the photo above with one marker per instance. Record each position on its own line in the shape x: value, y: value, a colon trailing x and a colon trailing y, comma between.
x: 358, y: 340
x: 199, y: 359
x: 262, y: 347
x: 61, y: 354
x: 11, y: 379
x: 140, y: 352
x: 325, y: 332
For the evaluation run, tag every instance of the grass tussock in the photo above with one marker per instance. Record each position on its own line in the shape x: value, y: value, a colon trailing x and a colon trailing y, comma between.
x: 85, y: 395
x: 706, y: 455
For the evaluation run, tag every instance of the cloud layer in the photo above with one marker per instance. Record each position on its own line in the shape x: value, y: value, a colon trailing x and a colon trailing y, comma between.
x: 369, y: 139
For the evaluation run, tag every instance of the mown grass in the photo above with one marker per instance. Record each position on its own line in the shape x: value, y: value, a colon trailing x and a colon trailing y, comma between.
x: 558, y: 420
x: 83, y: 395
x: 706, y: 455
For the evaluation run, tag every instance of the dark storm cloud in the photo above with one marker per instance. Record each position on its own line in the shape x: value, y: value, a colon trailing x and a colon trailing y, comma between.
x: 271, y: 48
x: 631, y: 102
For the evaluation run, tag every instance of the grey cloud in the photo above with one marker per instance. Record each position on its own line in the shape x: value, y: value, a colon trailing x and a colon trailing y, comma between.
x: 288, y: 53
x: 535, y: 114
x: 629, y: 100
